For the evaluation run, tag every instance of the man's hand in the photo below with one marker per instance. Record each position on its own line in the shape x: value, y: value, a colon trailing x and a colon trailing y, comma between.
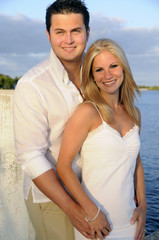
x: 77, y: 218
x: 139, y: 216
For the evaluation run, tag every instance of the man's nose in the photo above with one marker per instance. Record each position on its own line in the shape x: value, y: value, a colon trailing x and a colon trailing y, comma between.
x: 69, y: 38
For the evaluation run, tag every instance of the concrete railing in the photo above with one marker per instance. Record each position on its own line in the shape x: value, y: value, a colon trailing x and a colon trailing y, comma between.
x: 14, y: 221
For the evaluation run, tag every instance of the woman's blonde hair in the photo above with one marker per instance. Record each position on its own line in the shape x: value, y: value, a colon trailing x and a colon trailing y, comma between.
x: 127, y: 90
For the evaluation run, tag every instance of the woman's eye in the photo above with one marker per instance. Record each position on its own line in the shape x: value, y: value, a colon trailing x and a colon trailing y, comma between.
x: 114, y: 65
x: 99, y: 70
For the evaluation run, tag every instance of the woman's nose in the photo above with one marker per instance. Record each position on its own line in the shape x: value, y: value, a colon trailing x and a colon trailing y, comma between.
x: 108, y: 74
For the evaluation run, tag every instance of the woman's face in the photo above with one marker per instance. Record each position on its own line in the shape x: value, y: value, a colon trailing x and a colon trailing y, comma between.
x: 107, y: 73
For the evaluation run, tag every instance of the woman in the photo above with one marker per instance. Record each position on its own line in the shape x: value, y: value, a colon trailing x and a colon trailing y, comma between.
x: 105, y: 129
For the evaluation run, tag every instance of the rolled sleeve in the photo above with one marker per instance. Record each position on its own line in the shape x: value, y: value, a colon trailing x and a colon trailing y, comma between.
x: 36, y: 165
x: 31, y: 129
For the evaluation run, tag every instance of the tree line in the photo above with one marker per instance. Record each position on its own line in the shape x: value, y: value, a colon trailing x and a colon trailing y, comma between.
x: 6, y: 82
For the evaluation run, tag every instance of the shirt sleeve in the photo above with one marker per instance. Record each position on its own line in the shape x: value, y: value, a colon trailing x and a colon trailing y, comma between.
x: 31, y: 129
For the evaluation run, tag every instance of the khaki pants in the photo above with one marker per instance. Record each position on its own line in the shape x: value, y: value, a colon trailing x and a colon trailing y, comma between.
x: 49, y: 221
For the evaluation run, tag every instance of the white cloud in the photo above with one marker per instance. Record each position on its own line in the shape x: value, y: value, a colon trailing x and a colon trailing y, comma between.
x: 20, y: 34
x: 24, y: 43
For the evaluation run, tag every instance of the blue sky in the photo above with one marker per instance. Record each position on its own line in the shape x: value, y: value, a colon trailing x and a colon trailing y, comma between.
x: 133, y: 24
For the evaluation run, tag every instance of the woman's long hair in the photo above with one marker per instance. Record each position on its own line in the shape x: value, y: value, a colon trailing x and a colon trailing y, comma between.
x: 127, y: 90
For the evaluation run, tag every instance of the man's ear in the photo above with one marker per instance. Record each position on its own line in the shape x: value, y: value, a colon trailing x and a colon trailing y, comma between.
x: 88, y: 33
x: 48, y: 35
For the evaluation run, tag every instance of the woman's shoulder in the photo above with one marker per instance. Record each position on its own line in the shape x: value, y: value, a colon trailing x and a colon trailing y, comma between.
x: 86, y: 111
x: 85, y: 116
x: 88, y: 108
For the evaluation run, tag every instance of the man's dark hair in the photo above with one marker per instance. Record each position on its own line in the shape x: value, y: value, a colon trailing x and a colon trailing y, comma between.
x: 65, y: 7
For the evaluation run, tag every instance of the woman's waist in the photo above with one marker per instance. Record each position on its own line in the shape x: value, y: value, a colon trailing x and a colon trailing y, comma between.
x: 116, y: 201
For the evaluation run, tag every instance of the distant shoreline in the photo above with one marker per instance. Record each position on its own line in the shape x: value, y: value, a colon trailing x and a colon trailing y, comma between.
x: 141, y: 88
x: 146, y: 88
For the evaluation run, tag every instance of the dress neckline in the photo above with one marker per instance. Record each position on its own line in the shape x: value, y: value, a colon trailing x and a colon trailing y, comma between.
x: 113, y: 130
x: 127, y: 134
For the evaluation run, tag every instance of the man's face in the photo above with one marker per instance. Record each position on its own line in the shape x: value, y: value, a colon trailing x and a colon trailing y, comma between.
x: 68, y: 37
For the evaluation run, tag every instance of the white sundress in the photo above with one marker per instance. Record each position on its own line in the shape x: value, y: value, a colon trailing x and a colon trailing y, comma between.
x: 108, y: 163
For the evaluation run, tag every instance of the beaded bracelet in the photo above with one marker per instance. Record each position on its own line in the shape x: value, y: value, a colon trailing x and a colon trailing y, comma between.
x: 90, y: 220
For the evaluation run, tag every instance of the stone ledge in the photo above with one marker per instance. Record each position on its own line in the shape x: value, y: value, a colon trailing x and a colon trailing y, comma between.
x: 153, y: 236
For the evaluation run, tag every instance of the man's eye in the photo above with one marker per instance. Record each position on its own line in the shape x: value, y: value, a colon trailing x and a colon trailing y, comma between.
x: 59, y: 32
x: 76, y: 31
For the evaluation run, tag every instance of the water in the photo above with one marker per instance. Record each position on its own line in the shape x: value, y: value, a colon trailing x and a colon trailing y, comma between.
x: 149, y: 107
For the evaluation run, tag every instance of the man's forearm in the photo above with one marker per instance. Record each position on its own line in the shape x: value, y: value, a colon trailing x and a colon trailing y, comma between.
x: 49, y: 184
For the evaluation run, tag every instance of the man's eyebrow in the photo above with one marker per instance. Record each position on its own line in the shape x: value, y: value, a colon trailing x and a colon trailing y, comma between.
x: 61, y: 29
x: 77, y: 28
x: 57, y: 29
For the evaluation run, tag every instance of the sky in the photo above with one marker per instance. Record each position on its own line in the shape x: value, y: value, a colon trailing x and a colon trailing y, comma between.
x: 133, y: 24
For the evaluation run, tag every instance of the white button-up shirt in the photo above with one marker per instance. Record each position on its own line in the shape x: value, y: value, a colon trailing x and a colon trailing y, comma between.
x: 43, y: 101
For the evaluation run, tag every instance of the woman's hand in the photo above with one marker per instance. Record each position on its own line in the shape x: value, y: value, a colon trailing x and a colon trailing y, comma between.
x: 100, y: 226
x: 139, y: 216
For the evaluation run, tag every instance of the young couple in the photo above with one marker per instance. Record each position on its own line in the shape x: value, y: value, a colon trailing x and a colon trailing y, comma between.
x: 100, y: 141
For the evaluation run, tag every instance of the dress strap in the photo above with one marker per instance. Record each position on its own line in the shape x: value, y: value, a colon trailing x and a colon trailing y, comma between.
x: 96, y: 109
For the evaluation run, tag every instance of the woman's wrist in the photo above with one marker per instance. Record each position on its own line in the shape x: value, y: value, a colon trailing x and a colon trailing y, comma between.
x: 92, y: 219
x: 142, y: 203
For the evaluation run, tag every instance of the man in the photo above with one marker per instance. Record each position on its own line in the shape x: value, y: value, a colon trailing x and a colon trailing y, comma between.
x: 44, y: 99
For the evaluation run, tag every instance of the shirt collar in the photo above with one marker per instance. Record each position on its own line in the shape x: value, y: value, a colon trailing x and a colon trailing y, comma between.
x: 59, y: 68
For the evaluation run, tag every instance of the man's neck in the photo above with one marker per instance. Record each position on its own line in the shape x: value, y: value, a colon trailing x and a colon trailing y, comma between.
x: 73, y: 70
